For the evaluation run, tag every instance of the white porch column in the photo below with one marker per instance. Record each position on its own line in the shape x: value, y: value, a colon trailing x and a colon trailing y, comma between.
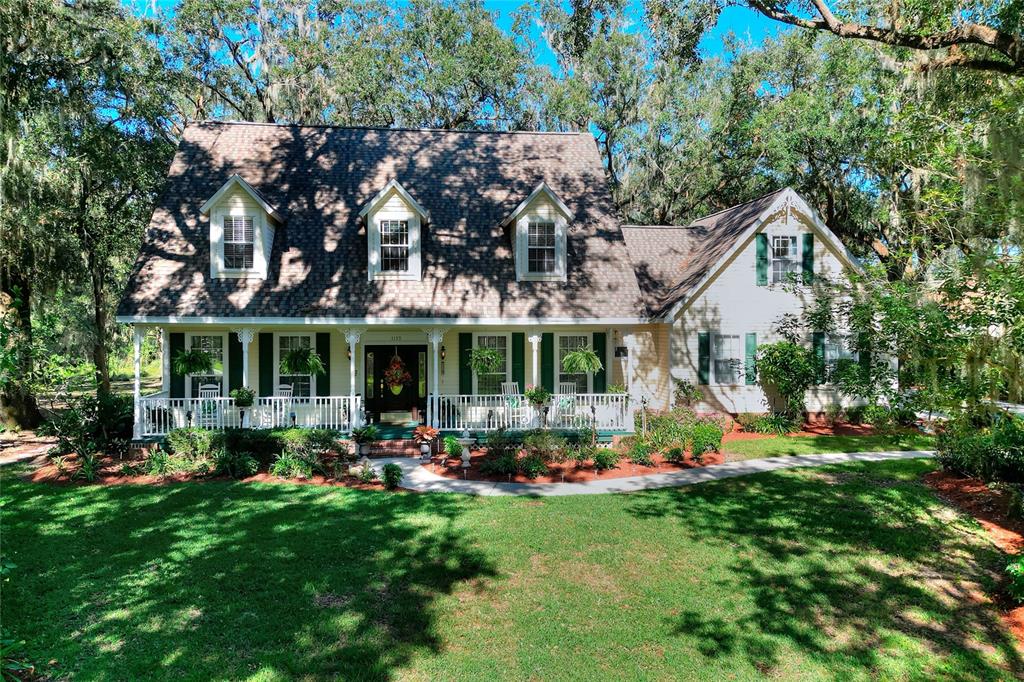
x: 630, y: 341
x: 435, y: 336
x: 245, y: 337
x: 165, y: 362
x: 535, y: 344
x: 352, y: 338
x: 137, y: 388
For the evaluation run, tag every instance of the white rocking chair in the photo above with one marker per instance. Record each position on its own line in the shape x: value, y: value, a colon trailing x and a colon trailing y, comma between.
x: 516, y: 413
x: 208, y: 414
x: 283, y: 408
x: 565, y: 403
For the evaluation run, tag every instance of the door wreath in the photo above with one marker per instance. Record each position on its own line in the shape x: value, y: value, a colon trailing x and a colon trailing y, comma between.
x: 396, y: 376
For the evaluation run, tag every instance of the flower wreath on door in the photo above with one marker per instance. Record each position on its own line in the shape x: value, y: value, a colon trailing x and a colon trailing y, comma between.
x: 396, y: 376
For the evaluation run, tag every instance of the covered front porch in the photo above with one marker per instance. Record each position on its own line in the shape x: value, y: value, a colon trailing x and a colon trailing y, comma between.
x: 359, y: 383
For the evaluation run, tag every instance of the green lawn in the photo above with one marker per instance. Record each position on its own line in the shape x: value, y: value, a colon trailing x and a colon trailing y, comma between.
x: 809, y: 445
x: 852, y: 572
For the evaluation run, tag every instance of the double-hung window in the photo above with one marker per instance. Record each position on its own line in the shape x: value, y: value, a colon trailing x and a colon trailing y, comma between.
x: 566, y: 344
x: 540, y: 248
x: 239, y: 242
x: 727, y: 358
x: 490, y: 383
x: 784, y: 258
x: 212, y: 345
x: 837, y: 351
x: 302, y: 384
x: 394, y: 245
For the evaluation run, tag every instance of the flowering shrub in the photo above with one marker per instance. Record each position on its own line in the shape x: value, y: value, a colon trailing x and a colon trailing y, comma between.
x: 537, y: 395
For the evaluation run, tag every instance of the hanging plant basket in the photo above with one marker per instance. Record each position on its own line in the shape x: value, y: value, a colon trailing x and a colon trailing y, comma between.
x: 396, y: 376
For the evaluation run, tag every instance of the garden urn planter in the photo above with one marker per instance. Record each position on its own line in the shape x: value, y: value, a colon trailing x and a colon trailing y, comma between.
x: 364, y: 449
x: 465, y: 443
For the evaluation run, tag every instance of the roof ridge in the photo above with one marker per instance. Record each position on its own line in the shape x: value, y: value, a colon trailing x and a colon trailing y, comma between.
x: 387, y: 129
x: 730, y: 208
x: 659, y: 227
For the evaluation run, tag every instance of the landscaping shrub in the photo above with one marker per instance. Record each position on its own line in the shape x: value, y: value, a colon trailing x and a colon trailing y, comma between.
x: 1015, y: 572
x: 366, y: 473
x: 452, y: 446
x: 787, y: 369
x: 992, y: 453
x: 777, y: 423
x: 606, y: 458
x: 162, y: 463
x: 749, y: 420
x: 543, y: 444
x: 675, y: 453
x: 90, y: 427
x: 533, y: 465
x: 640, y: 454
x: 233, y: 463
x: 705, y: 437
x: 581, y: 453
x: 879, y: 416
x: 392, y: 474
x: 504, y: 463
x: 190, y: 443
x: 262, y: 444
x: 290, y: 465
x: 834, y: 414
x: 855, y: 414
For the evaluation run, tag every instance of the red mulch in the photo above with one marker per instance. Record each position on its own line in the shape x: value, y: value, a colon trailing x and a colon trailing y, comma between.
x: 110, y: 474
x: 809, y: 429
x: 566, y: 472
x: 990, y: 508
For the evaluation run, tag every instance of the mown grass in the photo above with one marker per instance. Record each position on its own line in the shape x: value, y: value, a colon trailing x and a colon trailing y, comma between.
x: 852, y: 572
x: 809, y: 445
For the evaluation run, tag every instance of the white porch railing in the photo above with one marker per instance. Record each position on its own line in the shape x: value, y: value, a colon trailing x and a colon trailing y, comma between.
x: 160, y: 414
x: 601, y: 411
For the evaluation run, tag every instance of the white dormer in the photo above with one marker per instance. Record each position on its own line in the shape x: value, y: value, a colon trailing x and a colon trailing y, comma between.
x: 394, y: 223
x: 241, y: 230
x: 540, y: 235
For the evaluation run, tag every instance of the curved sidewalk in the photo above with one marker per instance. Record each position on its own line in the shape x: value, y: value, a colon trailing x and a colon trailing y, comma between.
x: 421, y: 479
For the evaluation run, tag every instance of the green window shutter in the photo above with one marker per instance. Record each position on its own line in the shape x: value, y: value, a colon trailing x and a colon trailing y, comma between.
x: 175, y: 344
x: 266, y: 340
x: 762, y: 259
x: 323, y: 349
x: 519, y: 359
x: 601, y: 376
x: 465, y: 371
x: 703, y: 358
x: 547, y: 361
x: 234, y: 362
x: 750, y: 367
x: 808, y: 269
x: 818, y: 343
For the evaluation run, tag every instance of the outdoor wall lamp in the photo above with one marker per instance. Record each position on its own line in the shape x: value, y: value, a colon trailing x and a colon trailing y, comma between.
x: 444, y: 353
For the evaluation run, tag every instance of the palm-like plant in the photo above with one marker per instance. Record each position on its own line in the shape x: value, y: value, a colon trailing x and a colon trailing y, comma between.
x: 581, y: 361
x: 302, y: 361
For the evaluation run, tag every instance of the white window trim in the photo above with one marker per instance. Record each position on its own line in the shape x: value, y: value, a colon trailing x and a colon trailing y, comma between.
x: 713, y: 379
x: 844, y: 348
x: 277, y: 360
x: 771, y: 257
x: 508, y: 356
x: 224, y: 373
x: 224, y: 242
x: 558, y: 360
x: 260, y: 231
x: 522, y: 247
x: 381, y: 212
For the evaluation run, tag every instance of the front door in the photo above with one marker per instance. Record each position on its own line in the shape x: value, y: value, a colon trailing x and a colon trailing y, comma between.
x: 403, y: 402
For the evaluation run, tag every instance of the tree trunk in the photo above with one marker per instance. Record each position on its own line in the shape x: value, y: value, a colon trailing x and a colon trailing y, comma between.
x: 99, y: 346
x: 18, y: 406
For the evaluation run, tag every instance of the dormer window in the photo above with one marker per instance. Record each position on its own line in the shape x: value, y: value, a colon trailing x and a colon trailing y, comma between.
x: 239, y: 242
x: 394, y: 223
x: 540, y: 236
x: 241, y: 230
x: 394, y: 245
x: 540, y: 248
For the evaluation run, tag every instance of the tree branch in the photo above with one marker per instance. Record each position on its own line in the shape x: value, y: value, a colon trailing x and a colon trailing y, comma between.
x: 1007, y: 44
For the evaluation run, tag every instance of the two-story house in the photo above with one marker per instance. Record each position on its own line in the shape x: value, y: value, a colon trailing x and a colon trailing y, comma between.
x: 383, y: 248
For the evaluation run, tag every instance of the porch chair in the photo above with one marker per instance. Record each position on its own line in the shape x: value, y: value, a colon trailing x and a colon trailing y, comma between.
x: 283, y: 407
x: 516, y: 413
x: 209, y: 407
x: 565, y: 403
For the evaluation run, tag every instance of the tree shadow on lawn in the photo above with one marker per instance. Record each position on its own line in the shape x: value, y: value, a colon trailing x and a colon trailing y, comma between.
x: 226, y: 580
x: 851, y: 567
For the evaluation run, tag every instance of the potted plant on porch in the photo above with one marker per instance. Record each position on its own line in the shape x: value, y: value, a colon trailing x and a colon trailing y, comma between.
x: 425, y: 436
x: 302, y: 361
x: 244, y: 398
x: 364, y: 436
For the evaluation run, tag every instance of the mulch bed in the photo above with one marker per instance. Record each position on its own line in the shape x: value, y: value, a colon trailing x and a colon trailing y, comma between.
x: 110, y: 474
x: 565, y: 472
x: 810, y: 429
x: 990, y: 508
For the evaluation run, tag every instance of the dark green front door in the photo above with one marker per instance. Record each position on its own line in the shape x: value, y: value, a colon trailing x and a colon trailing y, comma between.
x: 381, y: 399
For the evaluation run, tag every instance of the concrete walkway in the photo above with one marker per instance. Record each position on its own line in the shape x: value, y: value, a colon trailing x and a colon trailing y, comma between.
x: 422, y: 479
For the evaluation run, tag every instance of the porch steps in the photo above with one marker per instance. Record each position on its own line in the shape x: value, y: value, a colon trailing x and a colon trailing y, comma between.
x: 395, y: 447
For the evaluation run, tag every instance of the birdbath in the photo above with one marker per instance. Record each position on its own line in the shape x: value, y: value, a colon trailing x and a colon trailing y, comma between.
x: 465, y: 442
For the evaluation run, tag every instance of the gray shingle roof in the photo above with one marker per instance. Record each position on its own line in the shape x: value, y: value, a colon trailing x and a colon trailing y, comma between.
x: 670, y: 260
x: 320, y: 177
